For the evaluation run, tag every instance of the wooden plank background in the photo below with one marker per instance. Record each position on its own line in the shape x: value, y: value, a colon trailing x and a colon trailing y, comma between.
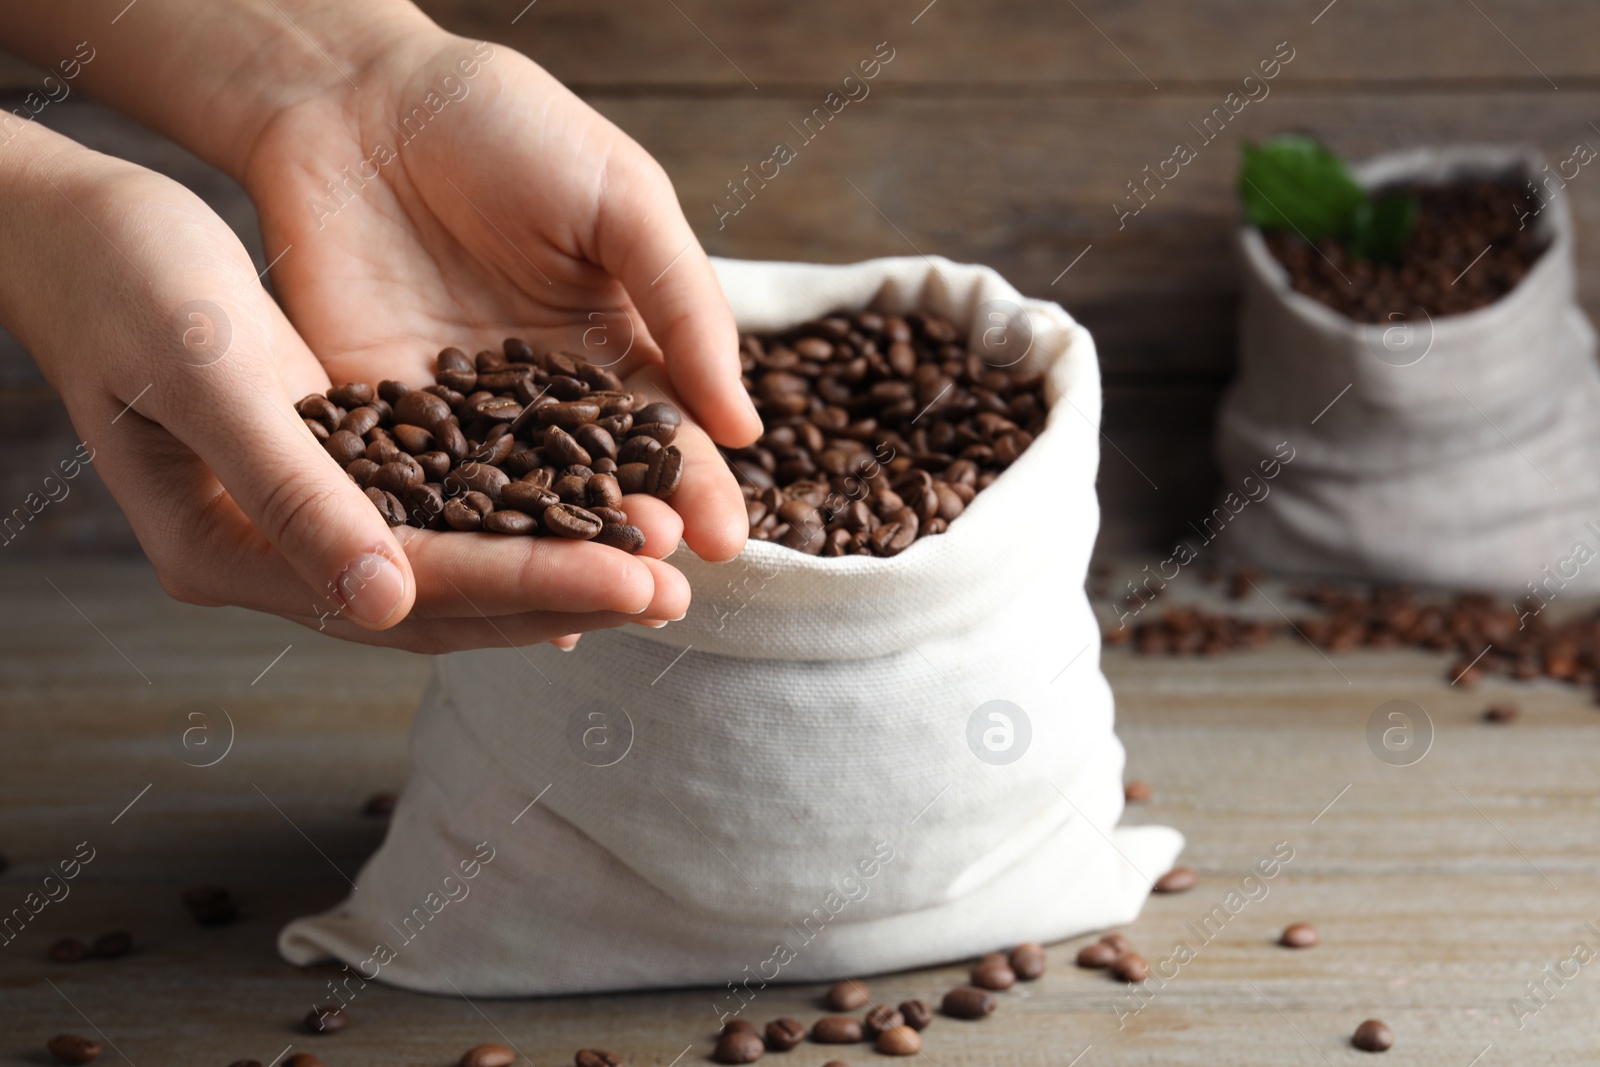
x: 1002, y: 132
x: 1439, y: 889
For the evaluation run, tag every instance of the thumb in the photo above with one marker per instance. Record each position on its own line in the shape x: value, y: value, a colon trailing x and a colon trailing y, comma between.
x: 286, y: 483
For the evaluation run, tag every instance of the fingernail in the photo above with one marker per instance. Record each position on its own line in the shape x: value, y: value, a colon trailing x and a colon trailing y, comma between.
x: 569, y: 648
x: 371, y: 588
x: 655, y: 624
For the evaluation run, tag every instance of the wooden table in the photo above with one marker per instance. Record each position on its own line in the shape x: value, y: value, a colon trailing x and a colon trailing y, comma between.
x: 1439, y: 888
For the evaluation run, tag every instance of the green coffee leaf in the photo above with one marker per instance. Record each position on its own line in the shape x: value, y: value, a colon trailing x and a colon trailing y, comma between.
x: 1380, y: 227
x: 1293, y: 182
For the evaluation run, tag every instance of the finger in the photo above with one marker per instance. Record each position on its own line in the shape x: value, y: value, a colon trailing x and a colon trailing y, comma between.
x: 715, y: 522
x: 646, y: 243
x: 671, y: 601
x: 438, y: 636
x: 463, y: 575
x: 234, y: 416
x: 662, y: 526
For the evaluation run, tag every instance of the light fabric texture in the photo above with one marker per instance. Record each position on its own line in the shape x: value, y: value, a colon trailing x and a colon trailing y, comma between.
x: 1458, y: 452
x: 796, y: 797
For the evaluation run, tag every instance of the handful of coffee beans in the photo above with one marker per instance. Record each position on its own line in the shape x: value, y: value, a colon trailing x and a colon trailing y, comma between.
x: 511, y: 442
x: 880, y: 429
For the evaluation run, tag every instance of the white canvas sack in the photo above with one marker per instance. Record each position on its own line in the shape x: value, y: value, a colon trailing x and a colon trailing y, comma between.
x: 791, y: 793
x: 1466, y: 452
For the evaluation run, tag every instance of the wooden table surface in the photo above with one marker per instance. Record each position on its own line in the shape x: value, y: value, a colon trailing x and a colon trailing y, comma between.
x: 1439, y: 888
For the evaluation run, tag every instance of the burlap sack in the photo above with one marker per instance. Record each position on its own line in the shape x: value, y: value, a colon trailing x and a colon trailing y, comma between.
x: 1465, y: 452
x: 801, y: 780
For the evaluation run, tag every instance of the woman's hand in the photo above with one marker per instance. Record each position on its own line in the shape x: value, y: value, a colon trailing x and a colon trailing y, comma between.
x: 461, y: 195
x: 179, y: 371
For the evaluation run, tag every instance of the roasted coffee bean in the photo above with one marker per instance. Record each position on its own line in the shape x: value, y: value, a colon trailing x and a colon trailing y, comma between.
x: 510, y: 522
x: 1373, y: 1036
x: 785, y: 1034
x: 596, y: 441
x: 1118, y: 941
x: 993, y: 974
x: 899, y: 1041
x: 571, y: 489
x: 659, y: 420
x: 456, y: 369
x: 836, y: 1030
x: 1028, y: 961
x: 303, y: 1059
x: 449, y: 439
x: 353, y: 394
x: 739, y: 1046
x: 597, y: 1057
x: 610, y: 516
x: 460, y: 515
x: 917, y: 1014
x: 319, y: 409
x: 881, y: 1018
x: 72, y: 1050
x: 626, y: 536
x: 847, y: 995
x: 1177, y: 880
x: 631, y: 477
x: 345, y: 447
x: 383, y: 450
x: 1137, y: 792
x: 360, y: 421
x: 116, y: 943
x: 967, y: 1002
x: 319, y: 431
x: 1099, y: 954
x: 638, y: 450
x: 737, y: 1026
x: 663, y: 472
x: 397, y: 476
x: 245, y: 1063
x: 528, y: 498
x: 69, y: 950
x: 603, y: 492
x: 569, y: 415
x: 388, y: 505
x: 563, y: 449
x: 328, y: 1019
x: 211, y: 905
x: 487, y: 1055
x: 1131, y: 967
x: 419, y: 408
x: 1299, y: 935
x: 435, y: 465
x: 1501, y: 713
x: 380, y: 805
x: 478, y: 478
x: 569, y: 520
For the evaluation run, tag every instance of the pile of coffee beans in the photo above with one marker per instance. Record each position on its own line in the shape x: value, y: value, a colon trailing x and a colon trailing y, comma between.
x: 511, y: 442
x: 1489, y: 636
x: 1190, y: 631
x: 105, y: 947
x: 1455, y: 224
x: 893, y: 1031
x: 879, y: 430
